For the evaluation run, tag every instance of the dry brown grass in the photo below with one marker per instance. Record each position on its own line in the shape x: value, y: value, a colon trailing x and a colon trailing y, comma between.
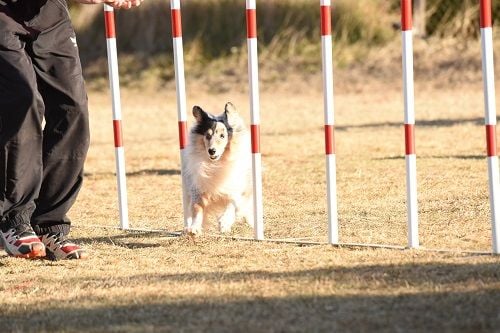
x: 149, y: 282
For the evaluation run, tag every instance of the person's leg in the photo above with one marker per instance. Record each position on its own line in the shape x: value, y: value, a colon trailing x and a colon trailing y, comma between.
x: 66, y: 133
x: 21, y: 113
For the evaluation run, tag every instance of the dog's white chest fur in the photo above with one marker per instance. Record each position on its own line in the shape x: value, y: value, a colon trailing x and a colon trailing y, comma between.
x: 226, y: 177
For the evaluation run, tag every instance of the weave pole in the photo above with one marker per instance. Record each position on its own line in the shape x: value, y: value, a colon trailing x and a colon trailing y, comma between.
x: 328, y: 101
x: 253, y: 77
x: 109, y: 21
x: 180, y: 84
x: 409, y: 119
x: 490, y: 119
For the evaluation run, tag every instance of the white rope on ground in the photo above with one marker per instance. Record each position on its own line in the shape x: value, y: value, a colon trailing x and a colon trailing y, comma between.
x: 297, y: 241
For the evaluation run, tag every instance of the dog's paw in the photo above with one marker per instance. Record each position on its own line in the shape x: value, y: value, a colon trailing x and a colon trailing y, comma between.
x: 226, y: 220
x: 193, y: 230
x: 225, y: 224
x: 225, y: 228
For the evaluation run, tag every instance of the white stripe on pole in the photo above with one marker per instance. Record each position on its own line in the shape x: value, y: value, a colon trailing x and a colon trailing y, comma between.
x: 411, y: 195
x: 253, y: 73
x: 488, y: 76
x: 180, y: 83
x: 253, y: 77
x: 251, y: 4
x: 326, y: 46
x: 331, y: 184
x: 493, y: 174
x: 409, y: 119
x: 257, y: 190
x: 408, y: 85
x: 117, y: 117
x: 490, y: 120
x: 180, y: 80
x: 175, y: 4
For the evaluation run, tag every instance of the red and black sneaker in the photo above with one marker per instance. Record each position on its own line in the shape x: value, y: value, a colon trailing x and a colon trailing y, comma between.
x: 21, y: 241
x: 58, y: 247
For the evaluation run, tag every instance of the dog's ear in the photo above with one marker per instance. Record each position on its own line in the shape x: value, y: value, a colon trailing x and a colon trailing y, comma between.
x: 229, y: 108
x: 199, y: 114
x: 232, y: 117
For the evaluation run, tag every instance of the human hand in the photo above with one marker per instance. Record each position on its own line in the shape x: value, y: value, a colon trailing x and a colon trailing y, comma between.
x: 126, y: 4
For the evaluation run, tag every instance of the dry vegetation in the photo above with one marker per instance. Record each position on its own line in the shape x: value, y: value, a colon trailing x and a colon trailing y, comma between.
x: 155, y: 282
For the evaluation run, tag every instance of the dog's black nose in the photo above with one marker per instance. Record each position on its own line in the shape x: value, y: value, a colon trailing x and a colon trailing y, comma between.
x: 211, y: 151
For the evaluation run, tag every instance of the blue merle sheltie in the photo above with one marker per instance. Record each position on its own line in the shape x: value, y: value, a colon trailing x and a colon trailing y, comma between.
x: 217, y: 170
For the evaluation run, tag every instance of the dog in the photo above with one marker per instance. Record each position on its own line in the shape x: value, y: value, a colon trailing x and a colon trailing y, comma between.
x: 217, y: 170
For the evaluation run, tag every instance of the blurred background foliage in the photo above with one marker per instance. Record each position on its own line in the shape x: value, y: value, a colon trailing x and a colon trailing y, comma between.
x: 287, y: 29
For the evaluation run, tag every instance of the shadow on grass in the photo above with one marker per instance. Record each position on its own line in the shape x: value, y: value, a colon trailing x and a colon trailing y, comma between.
x: 418, y: 123
x: 410, y: 275
x: 443, y: 157
x: 128, y: 240
x: 146, y: 172
x: 464, y: 298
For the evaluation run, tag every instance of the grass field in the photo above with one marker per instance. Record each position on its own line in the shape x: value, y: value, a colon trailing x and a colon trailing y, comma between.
x: 153, y: 282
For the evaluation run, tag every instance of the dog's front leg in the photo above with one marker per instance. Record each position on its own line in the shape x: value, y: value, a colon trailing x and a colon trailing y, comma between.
x: 198, y: 213
x: 226, y: 220
x: 188, y: 212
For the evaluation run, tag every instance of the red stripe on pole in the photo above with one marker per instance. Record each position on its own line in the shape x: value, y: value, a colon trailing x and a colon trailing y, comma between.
x: 329, y: 139
x: 326, y: 21
x: 109, y: 21
x: 491, y: 140
x: 117, y: 129
x: 486, y: 21
x: 176, y: 23
x: 255, y: 132
x: 410, y: 139
x: 251, y: 23
x: 406, y: 15
x: 182, y: 134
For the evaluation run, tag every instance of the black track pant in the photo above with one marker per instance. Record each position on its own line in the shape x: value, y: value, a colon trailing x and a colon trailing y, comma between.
x: 41, y: 168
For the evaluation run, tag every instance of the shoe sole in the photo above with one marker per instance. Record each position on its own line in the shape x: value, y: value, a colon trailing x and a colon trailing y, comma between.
x: 73, y: 256
x: 37, y: 251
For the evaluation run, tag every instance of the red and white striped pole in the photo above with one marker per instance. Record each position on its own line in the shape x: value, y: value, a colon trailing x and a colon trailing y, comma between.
x: 331, y: 173
x: 409, y: 104
x: 180, y: 83
x: 114, y: 83
x: 490, y: 119
x: 253, y: 77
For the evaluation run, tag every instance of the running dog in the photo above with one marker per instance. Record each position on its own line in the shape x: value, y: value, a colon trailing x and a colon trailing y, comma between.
x: 217, y: 170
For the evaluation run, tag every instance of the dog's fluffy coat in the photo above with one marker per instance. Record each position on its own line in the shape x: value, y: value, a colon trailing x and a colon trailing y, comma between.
x: 217, y: 170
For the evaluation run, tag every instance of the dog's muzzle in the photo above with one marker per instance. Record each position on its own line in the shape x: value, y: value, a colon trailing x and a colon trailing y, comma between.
x: 212, y: 154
